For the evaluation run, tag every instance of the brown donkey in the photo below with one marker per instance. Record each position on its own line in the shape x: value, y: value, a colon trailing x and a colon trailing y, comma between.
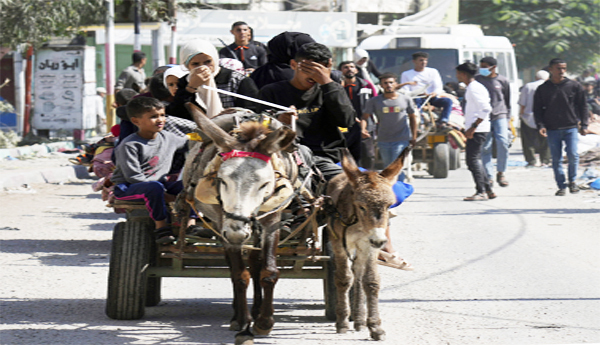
x: 362, y: 201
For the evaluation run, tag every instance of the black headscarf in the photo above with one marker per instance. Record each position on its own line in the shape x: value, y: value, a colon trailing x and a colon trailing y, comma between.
x: 282, y: 48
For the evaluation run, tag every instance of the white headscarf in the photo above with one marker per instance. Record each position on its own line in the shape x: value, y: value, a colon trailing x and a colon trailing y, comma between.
x: 360, y: 53
x: 208, y: 99
x: 177, y: 71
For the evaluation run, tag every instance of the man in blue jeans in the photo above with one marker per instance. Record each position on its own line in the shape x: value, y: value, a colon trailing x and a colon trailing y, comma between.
x: 560, y: 111
x: 420, y: 76
x: 397, y: 120
x: 499, y: 89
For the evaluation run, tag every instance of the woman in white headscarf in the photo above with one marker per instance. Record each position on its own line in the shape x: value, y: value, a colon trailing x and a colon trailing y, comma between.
x: 201, y: 59
x: 364, y: 65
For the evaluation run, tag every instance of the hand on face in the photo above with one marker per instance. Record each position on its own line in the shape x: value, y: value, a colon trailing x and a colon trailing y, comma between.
x: 315, y: 71
x: 200, y: 76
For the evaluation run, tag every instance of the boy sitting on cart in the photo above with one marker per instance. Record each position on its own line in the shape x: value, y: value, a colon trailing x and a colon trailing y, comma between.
x: 143, y: 161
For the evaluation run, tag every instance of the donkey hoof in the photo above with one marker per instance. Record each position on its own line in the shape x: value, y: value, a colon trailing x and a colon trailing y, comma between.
x: 258, y: 331
x: 343, y: 330
x: 359, y: 326
x: 378, y: 335
x: 234, y: 326
x: 244, y: 340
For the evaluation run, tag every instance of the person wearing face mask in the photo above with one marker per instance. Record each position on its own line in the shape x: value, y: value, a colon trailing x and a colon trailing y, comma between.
x: 499, y: 89
x: 201, y: 59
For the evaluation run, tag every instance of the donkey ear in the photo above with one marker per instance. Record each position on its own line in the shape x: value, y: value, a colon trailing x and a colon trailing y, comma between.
x: 222, y: 139
x: 276, y: 141
x: 350, y: 168
x: 391, y: 171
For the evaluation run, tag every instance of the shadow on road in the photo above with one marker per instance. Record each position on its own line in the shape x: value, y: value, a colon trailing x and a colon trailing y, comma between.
x: 60, y: 252
x: 185, y: 321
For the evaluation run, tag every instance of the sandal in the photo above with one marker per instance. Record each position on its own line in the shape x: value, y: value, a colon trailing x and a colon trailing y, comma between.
x: 476, y: 197
x: 394, y: 261
x: 80, y: 160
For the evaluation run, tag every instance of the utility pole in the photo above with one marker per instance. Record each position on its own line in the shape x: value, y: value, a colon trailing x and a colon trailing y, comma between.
x: 28, y: 78
x: 173, y: 23
x: 109, y: 55
x: 137, y: 44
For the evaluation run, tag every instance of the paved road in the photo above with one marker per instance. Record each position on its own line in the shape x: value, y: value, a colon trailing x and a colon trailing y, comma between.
x: 521, y: 269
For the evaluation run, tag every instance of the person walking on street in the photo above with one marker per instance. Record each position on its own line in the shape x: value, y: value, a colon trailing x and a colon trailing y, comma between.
x: 430, y: 77
x: 477, y: 121
x: 561, y: 111
x: 499, y: 89
x: 397, y: 120
x: 531, y: 138
x: 359, y: 91
x: 244, y: 49
x: 134, y: 76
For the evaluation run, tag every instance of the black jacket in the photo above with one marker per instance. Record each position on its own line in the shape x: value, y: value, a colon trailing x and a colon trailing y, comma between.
x: 560, y: 106
x: 321, y: 110
x: 254, y: 54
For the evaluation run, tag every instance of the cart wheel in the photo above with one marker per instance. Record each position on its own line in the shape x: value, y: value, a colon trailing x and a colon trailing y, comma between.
x: 154, y: 283
x: 441, y: 161
x: 127, y: 283
x: 329, y: 282
x: 454, y: 158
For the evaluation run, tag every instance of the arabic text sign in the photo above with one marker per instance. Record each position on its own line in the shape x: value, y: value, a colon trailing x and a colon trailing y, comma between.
x: 58, y: 89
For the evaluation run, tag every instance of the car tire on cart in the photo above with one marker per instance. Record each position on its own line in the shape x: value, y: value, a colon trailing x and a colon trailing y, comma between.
x: 454, y: 158
x: 441, y: 160
x: 329, y: 281
x: 127, y: 278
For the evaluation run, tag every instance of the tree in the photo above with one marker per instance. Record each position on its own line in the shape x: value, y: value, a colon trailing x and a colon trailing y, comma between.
x: 36, y: 21
x: 541, y: 29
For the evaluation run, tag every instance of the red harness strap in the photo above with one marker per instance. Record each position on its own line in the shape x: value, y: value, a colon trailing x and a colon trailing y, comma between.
x: 236, y: 153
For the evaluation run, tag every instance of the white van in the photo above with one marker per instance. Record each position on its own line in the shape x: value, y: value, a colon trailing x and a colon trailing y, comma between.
x: 447, y: 47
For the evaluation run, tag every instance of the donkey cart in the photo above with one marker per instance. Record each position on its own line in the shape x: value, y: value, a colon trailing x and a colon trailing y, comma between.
x: 440, y: 150
x: 138, y: 264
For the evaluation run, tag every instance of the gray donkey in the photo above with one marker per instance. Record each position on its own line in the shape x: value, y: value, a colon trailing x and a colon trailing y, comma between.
x: 362, y: 201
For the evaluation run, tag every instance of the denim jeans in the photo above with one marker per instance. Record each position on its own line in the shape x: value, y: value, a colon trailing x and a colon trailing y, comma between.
x: 555, y: 142
x: 473, y: 159
x: 499, y: 131
x: 390, y: 151
x: 440, y: 102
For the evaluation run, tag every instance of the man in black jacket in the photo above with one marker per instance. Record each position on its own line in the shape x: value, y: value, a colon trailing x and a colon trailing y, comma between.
x: 322, y: 106
x: 560, y: 111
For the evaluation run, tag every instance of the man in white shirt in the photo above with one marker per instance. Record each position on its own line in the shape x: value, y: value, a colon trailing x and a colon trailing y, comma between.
x: 424, y: 75
x: 477, y: 121
x: 531, y: 138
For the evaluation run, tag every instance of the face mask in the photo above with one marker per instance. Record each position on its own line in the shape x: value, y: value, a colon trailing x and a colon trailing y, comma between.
x: 484, y: 71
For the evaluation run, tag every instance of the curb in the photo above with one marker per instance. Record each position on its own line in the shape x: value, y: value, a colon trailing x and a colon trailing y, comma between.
x: 36, y: 149
x: 16, y: 178
x: 50, y: 175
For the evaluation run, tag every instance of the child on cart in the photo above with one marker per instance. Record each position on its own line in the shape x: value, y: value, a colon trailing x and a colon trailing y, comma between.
x: 143, y: 161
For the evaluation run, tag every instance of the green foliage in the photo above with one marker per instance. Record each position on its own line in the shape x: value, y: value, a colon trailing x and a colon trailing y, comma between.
x: 541, y: 29
x: 36, y: 21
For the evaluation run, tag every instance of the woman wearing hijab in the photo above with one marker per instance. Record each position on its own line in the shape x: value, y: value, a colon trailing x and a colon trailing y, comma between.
x: 282, y: 48
x: 365, y: 66
x: 201, y: 59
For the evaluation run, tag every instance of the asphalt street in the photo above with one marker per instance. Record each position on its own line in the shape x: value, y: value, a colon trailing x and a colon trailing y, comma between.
x: 521, y: 269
